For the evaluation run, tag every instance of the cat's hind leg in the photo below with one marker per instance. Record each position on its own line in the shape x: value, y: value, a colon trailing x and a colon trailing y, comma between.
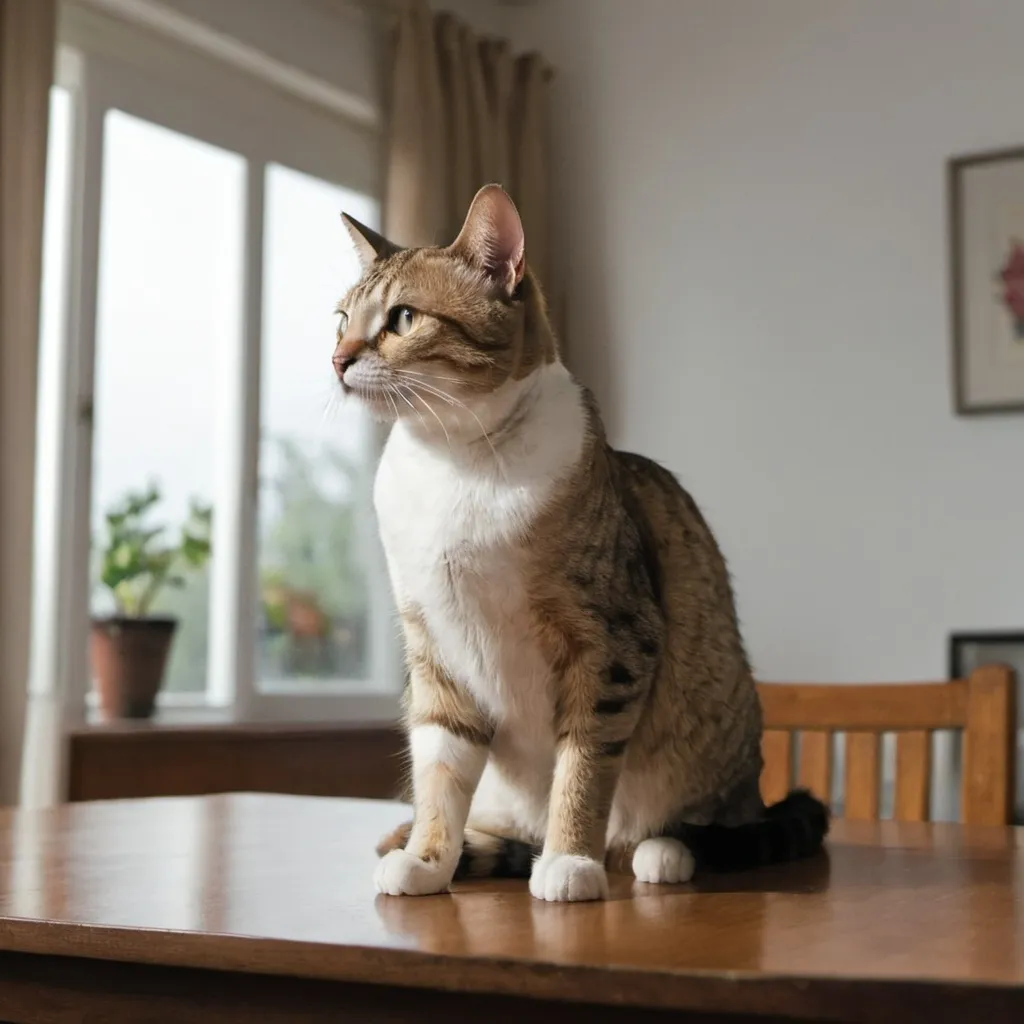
x: 671, y: 857
x: 484, y: 854
x: 663, y: 860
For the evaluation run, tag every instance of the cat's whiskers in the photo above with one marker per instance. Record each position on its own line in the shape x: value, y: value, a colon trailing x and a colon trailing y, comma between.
x: 432, y: 411
x: 391, y: 402
x: 395, y: 389
x: 433, y: 376
x: 402, y: 388
x: 331, y: 405
x: 457, y: 404
x: 452, y: 400
x: 429, y: 388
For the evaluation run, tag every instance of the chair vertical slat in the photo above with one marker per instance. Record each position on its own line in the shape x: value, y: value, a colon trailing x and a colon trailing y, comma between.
x: 989, y: 747
x: 816, y: 763
x: 776, y: 776
x: 913, y: 775
x: 863, y: 772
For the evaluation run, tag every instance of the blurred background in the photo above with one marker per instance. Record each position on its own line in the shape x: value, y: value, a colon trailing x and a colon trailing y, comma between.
x: 746, y: 219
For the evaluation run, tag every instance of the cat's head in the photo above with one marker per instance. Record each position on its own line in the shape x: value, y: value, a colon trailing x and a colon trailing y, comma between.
x: 425, y: 332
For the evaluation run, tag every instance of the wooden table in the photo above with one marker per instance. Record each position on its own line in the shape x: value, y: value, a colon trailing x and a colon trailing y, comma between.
x: 261, y: 908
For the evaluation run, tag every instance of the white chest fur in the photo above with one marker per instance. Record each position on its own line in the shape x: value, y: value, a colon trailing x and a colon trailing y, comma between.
x: 455, y: 521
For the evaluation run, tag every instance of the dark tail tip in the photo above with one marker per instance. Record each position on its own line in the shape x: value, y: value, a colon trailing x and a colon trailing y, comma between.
x: 793, y: 828
x: 801, y: 806
x: 489, y: 856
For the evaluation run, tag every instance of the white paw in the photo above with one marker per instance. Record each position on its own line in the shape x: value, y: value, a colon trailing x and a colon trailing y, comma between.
x: 563, y: 878
x: 401, y: 874
x: 663, y: 860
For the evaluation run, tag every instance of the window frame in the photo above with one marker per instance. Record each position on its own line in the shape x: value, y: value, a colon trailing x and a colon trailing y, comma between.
x: 109, y: 64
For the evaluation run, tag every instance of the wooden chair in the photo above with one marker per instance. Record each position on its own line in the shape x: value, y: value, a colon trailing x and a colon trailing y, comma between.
x: 981, y: 706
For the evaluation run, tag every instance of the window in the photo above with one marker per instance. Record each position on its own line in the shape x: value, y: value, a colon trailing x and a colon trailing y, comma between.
x: 169, y: 315
x: 194, y: 253
x: 316, y: 455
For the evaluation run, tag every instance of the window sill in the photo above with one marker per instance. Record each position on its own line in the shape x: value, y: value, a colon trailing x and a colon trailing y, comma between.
x: 292, y: 707
x: 166, y: 717
x: 218, y: 721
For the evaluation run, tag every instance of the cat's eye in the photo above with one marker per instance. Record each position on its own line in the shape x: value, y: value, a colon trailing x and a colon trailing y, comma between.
x: 400, y: 320
x: 342, y: 322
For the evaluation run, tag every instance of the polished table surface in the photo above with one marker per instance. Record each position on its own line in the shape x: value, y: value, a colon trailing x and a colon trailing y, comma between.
x: 896, y: 919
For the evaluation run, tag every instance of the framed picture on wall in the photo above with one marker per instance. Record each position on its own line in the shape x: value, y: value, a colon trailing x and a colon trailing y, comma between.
x: 986, y: 210
x: 968, y: 651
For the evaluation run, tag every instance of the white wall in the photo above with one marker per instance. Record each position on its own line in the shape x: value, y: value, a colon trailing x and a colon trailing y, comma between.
x: 752, y: 199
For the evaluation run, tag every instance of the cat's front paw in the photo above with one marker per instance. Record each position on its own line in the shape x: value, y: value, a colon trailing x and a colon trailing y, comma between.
x: 565, y: 878
x: 399, y: 873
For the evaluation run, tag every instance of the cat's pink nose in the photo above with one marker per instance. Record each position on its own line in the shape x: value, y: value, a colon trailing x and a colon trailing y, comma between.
x: 341, y: 364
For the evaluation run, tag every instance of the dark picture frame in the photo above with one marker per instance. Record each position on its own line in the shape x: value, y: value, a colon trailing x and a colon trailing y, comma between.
x: 974, y: 191
x: 960, y: 660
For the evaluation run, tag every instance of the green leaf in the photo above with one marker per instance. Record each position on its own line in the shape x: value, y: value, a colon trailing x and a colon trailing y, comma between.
x: 135, y: 562
x: 195, y: 550
x: 146, y: 536
x: 123, y: 556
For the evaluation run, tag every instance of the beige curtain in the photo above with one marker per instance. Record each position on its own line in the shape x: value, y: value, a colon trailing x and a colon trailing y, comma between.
x: 464, y: 112
x: 26, y: 70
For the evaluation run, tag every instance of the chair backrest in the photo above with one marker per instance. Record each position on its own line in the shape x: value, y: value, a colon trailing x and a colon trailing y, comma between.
x: 982, y: 707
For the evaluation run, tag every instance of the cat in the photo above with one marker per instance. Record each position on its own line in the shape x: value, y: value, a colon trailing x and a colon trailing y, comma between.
x: 578, y: 692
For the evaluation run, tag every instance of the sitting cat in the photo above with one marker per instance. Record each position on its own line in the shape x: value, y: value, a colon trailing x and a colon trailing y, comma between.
x: 578, y: 688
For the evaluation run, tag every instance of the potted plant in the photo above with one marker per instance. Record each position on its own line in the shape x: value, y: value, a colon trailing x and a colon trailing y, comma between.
x: 129, y: 649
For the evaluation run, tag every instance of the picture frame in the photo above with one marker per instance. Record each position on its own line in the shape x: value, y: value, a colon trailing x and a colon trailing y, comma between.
x: 968, y: 651
x: 986, y: 260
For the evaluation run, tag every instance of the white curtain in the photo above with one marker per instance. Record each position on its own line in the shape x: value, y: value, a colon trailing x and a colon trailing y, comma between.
x: 464, y: 112
x: 26, y: 71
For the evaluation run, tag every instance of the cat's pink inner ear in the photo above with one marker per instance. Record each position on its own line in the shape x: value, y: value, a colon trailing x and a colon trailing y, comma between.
x: 492, y: 237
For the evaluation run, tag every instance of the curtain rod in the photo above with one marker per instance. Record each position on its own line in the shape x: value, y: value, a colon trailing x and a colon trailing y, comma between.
x: 388, y: 11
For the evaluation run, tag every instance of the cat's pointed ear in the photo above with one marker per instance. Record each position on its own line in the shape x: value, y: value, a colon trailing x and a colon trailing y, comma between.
x: 492, y: 237
x: 369, y: 245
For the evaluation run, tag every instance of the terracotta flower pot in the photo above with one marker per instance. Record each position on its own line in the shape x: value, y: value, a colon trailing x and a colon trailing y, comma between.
x: 128, y: 661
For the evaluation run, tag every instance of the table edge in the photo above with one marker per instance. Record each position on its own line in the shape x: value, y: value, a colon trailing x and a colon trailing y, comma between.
x: 802, y: 996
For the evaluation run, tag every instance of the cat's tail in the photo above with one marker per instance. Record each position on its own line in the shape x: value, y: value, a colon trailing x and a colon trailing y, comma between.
x: 483, y: 855
x: 793, y: 828
x: 490, y: 856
